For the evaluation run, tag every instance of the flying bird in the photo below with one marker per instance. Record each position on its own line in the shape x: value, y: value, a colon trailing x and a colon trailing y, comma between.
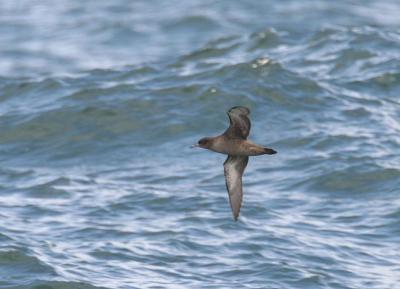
x: 233, y: 142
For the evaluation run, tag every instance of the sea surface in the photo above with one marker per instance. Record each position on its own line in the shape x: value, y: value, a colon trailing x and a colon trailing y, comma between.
x: 101, y: 100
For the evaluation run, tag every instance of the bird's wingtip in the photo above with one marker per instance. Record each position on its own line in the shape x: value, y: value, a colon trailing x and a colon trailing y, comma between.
x: 243, y: 109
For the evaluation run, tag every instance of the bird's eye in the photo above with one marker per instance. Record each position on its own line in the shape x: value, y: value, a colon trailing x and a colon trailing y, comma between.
x: 202, y: 142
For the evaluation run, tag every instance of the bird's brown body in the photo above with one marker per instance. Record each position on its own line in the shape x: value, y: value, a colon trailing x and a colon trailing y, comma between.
x: 235, y: 147
x: 233, y: 142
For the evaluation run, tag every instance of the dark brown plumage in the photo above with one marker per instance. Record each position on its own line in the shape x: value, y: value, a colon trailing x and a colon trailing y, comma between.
x: 233, y: 142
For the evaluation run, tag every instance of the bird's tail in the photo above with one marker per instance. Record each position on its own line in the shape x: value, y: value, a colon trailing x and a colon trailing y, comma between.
x: 269, y: 151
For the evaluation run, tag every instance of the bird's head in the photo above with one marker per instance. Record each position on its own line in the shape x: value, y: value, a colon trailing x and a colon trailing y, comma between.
x: 204, y: 143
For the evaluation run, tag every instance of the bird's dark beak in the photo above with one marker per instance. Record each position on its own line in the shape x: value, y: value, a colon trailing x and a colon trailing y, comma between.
x: 194, y: 146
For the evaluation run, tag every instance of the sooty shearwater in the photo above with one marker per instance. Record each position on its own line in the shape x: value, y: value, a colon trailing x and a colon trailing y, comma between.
x: 233, y: 142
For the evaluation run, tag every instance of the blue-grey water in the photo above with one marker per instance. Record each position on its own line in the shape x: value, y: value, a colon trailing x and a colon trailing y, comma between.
x: 100, y: 101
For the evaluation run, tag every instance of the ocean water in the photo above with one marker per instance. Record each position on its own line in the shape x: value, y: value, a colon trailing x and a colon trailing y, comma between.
x: 100, y: 101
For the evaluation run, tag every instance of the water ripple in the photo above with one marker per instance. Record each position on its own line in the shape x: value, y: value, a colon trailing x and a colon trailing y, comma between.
x: 98, y: 185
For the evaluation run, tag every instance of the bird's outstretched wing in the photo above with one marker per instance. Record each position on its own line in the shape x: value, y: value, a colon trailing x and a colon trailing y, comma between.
x: 233, y: 168
x: 240, y: 123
